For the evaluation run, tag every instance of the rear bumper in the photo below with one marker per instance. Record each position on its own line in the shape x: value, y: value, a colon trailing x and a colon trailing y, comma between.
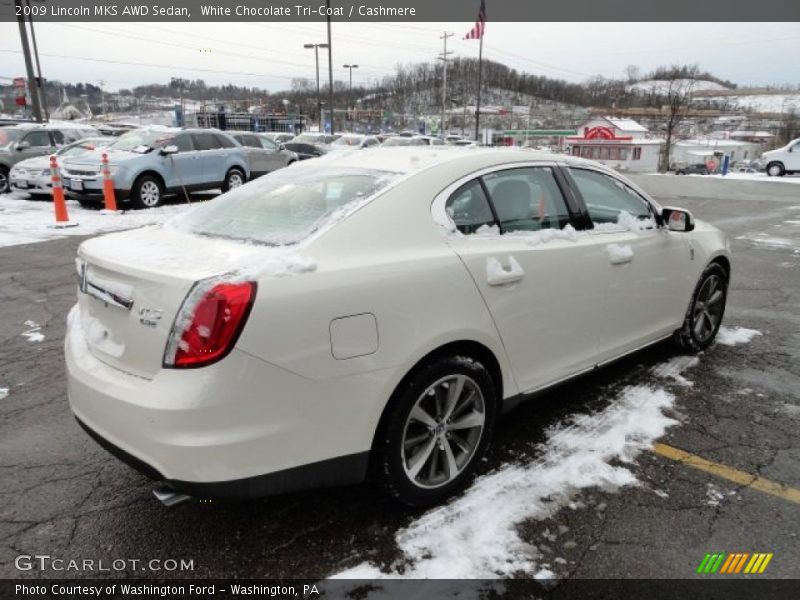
x: 239, y: 428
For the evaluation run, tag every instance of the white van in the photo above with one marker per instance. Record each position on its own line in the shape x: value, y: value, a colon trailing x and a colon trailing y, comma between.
x: 784, y: 160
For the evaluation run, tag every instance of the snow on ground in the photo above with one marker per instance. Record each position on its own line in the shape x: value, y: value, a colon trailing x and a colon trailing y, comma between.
x: 761, y: 177
x: 732, y: 336
x: 3, y: 393
x: 769, y: 103
x: 476, y: 535
x: 26, y: 221
x: 33, y: 334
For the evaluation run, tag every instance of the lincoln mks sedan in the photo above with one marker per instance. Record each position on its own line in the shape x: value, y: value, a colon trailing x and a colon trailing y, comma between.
x: 372, y: 313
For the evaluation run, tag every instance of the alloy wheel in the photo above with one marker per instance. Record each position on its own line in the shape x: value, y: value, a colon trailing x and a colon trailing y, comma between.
x: 708, y: 308
x: 150, y: 194
x: 3, y: 182
x: 234, y: 180
x: 443, y: 431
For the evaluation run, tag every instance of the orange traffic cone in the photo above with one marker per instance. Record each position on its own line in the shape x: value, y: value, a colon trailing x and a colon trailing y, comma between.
x: 59, y: 203
x: 108, y: 186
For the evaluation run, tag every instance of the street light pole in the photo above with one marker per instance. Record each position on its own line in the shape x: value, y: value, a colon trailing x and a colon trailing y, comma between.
x: 443, y: 58
x: 351, y: 67
x: 33, y: 88
x: 316, y: 48
x: 330, y: 65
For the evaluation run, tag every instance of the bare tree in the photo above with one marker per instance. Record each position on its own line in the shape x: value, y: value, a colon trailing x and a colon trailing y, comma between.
x: 632, y: 73
x: 676, y: 96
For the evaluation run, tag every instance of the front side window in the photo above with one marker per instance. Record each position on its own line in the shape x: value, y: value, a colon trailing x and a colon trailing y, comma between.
x: 184, y: 142
x: 266, y: 144
x: 606, y: 197
x: 284, y: 207
x: 37, y: 139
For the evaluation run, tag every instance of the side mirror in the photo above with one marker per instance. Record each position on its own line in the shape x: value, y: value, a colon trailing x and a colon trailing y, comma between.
x: 281, y: 147
x: 23, y: 146
x: 677, y: 219
x: 171, y: 149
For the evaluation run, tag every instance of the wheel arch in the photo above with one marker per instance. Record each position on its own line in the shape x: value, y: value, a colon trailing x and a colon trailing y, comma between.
x: 724, y: 262
x: 151, y: 173
x: 465, y: 347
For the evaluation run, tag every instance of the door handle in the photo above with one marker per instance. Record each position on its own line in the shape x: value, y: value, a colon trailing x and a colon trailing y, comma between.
x: 619, y: 254
x: 497, y: 274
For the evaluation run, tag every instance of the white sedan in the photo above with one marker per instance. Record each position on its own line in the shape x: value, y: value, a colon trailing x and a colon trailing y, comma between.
x: 374, y: 312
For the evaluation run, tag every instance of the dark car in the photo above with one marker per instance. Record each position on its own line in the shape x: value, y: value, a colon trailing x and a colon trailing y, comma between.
x: 694, y: 169
x: 305, y: 150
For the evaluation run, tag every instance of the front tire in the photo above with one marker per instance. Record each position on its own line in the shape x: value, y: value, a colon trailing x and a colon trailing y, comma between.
x: 436, y: 431
x: 704, y: 317
x: 775, y: 170
x: 147, y: 192
x: 233, y: 179
x: 5, y: 184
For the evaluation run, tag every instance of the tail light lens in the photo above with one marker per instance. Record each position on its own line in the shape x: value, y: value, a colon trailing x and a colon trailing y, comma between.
x: 209, y: 323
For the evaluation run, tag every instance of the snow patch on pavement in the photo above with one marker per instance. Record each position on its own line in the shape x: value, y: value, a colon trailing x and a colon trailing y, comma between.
x: 476, y: 536
x: 3, y: 393
x: 34, y: 333
x: 27, y: 221
x: 732, y: 336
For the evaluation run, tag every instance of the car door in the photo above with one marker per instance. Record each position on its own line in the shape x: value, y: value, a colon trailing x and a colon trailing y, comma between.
x: 272, y: 157
x: 539, y: 277
x: 34, y: 143
x: 210, y: 161
x: 646, y: 268
x: 792, y: 161
x: 184, y: 167
x: 256, y: 156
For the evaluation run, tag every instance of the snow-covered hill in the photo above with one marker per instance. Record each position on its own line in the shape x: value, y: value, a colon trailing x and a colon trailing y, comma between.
x: 660, y: 86
x: 766, y: 103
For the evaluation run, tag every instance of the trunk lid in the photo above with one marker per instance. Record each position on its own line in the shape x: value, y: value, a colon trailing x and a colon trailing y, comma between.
x: 134, y: 283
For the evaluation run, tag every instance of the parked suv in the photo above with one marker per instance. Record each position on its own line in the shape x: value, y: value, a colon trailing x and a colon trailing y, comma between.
x: 148, y: 164
x: 264, y: 154
x: 783, y: 161
x: 27, y: 141
x: 693, y: 169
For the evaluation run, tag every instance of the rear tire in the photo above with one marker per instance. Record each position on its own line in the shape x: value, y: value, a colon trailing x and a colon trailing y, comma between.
x: 704, y: 316
x: 147, y: 192
x: 436, y: 431
x: 233, y: 179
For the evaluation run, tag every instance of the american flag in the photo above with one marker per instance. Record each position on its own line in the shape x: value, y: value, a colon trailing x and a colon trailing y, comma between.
x: 477, y: 32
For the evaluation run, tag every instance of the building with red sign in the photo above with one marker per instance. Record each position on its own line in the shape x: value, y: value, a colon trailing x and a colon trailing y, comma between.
x: 622, y: 144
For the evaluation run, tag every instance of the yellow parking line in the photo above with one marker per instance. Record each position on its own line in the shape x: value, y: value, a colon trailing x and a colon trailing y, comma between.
x: 779, y: 490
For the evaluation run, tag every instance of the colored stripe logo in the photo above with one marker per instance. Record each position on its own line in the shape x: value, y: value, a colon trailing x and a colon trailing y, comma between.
x: 734, y: 563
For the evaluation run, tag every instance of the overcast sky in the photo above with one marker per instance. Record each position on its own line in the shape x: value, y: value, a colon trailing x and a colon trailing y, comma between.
x: 269, y: 55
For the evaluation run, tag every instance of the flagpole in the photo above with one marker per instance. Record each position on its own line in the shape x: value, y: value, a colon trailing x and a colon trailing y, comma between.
x: 478, y: 107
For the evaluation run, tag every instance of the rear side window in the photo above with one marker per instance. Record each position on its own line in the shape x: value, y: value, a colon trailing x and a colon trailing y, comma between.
x: 224, y: 141
x: 606, y: 197
x: 469, y: 208
x: 527, y: 199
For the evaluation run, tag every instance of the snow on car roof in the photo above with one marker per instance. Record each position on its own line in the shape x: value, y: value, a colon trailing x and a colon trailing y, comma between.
x: 411, y: 159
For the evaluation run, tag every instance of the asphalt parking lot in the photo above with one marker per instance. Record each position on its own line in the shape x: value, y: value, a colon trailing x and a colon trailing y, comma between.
x: 65, y: 497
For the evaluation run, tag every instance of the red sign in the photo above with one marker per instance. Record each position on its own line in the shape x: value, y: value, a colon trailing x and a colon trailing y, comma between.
x: 20, y: 100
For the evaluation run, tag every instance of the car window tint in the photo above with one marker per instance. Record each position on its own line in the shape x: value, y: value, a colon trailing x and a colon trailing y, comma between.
x: 37, y: 138
x: 527, y: 199
x: 205, y: 141
x: 59, y: 138
x: 224, y: 141
x: 469, y: 208
x: 606, y: 197
x: 184, y: 143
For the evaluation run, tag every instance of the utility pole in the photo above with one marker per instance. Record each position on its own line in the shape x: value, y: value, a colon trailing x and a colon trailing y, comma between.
x: 39, y: 79
x: 351, y: 67
x: 330, y: 65
x: 103, y: 98
x: 443, y: 58
x: 33, y: 88
x: 316, y: 48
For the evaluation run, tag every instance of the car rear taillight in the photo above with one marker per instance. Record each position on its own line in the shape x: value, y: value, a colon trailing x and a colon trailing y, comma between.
x: 209, y: 323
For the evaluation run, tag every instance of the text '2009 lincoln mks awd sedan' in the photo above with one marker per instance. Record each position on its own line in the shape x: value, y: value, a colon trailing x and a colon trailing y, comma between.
x: 374, y: 312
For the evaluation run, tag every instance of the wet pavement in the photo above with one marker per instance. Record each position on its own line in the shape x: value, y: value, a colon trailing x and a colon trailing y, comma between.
x: 64, y: 496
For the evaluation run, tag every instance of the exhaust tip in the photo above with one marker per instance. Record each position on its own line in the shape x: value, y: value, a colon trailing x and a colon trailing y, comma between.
x: 168, y: 497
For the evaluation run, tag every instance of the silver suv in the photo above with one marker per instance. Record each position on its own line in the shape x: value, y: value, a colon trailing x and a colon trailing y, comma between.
x: 148, y: 164
x: 21, y: 142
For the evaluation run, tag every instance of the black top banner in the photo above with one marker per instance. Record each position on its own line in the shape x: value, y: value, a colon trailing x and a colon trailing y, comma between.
x: 402, y: 10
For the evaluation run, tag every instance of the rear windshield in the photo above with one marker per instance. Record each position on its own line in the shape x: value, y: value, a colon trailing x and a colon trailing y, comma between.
x: 286, y: 206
